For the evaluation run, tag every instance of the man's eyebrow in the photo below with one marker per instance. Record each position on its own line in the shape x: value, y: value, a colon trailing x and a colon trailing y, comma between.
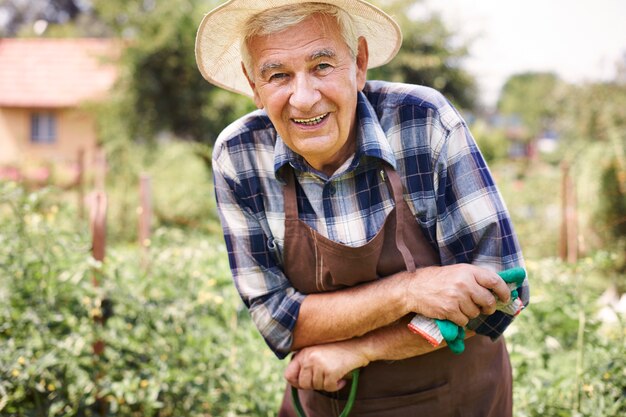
x: 322, y: 53
x: 270, y: 66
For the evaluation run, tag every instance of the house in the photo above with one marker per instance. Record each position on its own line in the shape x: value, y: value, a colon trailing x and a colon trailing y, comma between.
x: 45, y: 85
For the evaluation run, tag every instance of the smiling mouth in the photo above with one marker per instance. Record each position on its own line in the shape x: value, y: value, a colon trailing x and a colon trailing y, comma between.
x: 312, y: 121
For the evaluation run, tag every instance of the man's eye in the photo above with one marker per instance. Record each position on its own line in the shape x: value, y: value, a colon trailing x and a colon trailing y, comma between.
x: 323, y: 67
x: 278, y: 76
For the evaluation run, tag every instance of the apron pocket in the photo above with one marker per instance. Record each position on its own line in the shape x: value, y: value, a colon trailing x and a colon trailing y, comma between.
x: 428, y: 402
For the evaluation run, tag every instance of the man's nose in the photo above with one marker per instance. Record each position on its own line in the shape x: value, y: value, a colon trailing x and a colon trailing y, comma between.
x: 304, y: 92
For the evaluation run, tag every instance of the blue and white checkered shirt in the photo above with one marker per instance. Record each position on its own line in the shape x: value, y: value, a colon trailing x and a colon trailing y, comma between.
x: 447, y: 185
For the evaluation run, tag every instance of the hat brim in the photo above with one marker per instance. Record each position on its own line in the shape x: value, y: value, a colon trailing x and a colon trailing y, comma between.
x: 218, y: 52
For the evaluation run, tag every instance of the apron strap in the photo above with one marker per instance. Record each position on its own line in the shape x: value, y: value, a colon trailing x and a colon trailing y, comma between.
x: 289, y: 195
x: 401, y: 217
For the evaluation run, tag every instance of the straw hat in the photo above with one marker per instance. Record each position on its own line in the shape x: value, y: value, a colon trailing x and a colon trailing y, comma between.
x: 217, y: 42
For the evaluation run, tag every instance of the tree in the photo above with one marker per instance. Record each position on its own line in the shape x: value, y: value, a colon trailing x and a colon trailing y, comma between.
x: 430, y: 55
x: 593, y: 120
x: 533, y: 97
x: 165, y: 92
x: 21, y: 14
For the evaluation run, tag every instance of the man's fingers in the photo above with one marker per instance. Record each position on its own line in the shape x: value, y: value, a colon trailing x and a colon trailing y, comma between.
x: 458, y: 318
x: 493, y: 282
x: 488, y: 310
x: 470, y: 309
x: 292, y: 373
x: 332, y: 385
x: 485, y: 300
x: 318, y: 379
x: 341, y: 383
x: 305, y: 379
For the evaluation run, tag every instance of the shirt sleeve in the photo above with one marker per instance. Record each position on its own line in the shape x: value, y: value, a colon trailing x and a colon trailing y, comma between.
x: 473, y: 223
x: 271, y: 300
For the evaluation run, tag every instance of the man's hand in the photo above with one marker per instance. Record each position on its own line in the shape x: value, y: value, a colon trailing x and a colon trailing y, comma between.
x: 323, y: 367
x: 457, y: 293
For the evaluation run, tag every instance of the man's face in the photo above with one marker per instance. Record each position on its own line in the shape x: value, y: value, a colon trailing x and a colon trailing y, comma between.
x: 307, y: 81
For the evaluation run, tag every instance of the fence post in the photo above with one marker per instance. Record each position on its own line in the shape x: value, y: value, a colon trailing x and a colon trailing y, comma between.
x: 145, y: 216
x: 100, y: 163
x: 97, y: 203
x: 98, y: 224
x: 568, y: 248
x: 80, y: 184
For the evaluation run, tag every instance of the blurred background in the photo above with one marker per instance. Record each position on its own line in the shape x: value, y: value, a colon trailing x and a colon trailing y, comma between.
x: 115, y: 291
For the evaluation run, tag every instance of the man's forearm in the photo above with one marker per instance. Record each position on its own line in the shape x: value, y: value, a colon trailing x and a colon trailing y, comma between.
x: 351, y: 312
x: 456, y: 292
x: 324, y: 366
x: 393, y: 342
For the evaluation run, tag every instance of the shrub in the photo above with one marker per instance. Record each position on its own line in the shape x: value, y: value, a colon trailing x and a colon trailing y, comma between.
x: 181, y: 184
x: 566, y: 360
x: 46, y: 330
x: 177, y: 343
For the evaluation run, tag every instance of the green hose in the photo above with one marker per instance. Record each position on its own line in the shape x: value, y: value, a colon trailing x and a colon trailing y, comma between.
x: 349, y: 404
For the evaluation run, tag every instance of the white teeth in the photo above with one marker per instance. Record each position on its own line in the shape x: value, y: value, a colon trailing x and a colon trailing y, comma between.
x: 311, y: 121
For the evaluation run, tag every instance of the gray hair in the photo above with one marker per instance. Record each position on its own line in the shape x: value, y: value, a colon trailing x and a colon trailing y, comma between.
x: 281, y: 18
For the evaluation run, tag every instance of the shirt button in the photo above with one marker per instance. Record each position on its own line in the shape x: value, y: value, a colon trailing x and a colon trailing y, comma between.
x: 332, y: 189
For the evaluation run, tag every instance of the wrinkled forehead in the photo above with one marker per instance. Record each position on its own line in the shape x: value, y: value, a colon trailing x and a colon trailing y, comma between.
x: 314, y: 38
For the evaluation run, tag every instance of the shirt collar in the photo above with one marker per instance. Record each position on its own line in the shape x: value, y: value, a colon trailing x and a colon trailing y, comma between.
x: 371, y: 142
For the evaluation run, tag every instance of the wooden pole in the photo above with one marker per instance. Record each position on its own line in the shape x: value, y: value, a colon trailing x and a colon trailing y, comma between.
x: 97, y: 202
x: 80, y: 184
x: 100, y: 163
x: 145, y: 216
x: 98, y: 223
x: 572, y: 221
x: 564, y: 232
x: 568, y: 247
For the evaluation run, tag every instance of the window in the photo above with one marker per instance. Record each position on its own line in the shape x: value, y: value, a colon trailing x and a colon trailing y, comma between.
x: 43, y: 128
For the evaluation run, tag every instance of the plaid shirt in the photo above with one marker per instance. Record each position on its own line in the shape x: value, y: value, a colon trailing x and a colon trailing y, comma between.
x: 446, y: 183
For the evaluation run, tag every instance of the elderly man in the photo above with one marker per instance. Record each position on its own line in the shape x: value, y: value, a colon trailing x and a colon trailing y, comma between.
x: 349, y: 206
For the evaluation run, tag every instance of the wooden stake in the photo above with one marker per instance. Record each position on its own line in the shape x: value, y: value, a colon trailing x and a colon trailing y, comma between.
x: 97, y: 220
x: 100, y: 163
x: 145, y: 215
x: 97, y: 203
x: 568, y: 247
x: 564, y: 232
x: 80, y: 185
x: 572, y: 222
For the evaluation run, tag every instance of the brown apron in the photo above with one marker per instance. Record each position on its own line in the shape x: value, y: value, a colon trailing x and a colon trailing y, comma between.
x: 476, y: 383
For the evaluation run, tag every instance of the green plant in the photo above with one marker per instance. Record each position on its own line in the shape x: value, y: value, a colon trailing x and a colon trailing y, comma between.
x: 176, y: 341
x: 46, y: 326
x: 180, y: 181
x: 566, y: 361
x: 531, y: 195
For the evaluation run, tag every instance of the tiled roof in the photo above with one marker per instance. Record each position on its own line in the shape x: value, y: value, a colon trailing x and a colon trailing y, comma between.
x: 55, y: 72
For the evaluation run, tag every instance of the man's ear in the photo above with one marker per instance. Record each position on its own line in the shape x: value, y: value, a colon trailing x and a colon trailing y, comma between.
x: 362, y: 59
x: 257, y: 99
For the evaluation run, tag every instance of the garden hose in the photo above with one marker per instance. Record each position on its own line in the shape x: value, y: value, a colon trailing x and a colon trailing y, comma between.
x: 349, y: 403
